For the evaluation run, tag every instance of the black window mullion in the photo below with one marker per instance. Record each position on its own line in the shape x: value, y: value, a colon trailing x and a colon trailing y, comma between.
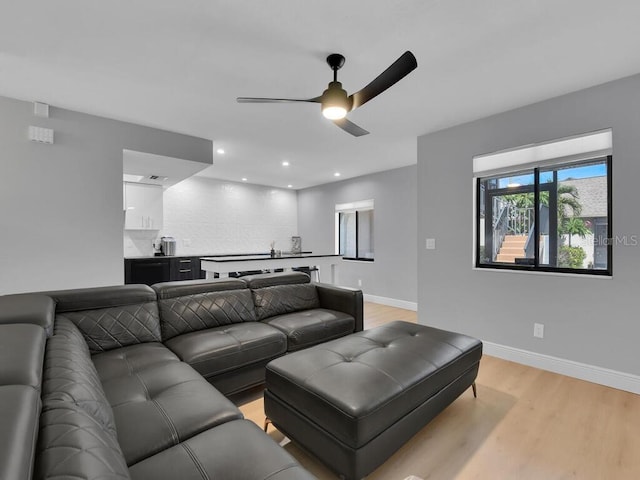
x: 478, y: 207
x: 536, y: 217
x: 357, y: 228
x: 609, y: 216
x: 553, y: 221
x: 340, y: 248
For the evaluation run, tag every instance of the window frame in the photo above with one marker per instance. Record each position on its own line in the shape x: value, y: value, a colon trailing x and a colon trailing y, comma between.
x: 535, y: 266
x: 357, y: 208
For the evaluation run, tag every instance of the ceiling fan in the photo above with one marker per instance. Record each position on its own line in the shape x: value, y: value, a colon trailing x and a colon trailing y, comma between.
x: 334, y: 100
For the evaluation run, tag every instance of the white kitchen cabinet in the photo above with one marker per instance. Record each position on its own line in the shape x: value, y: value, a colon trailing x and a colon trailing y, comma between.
x: 143, y: 206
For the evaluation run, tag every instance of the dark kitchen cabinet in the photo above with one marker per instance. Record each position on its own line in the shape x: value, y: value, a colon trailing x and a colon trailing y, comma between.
x: 161, y: 269
x: 146, y: 270
x: 185, y: 268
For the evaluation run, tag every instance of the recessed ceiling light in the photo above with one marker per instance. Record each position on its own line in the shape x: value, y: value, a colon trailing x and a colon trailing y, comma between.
x: 337, y: 174
x: 220, y: 151
x: 244, y: 179
x: 289, y: 186
x: 285, y: 163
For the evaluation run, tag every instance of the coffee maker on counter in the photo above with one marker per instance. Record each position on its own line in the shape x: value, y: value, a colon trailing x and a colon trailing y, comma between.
x: 165, y: 247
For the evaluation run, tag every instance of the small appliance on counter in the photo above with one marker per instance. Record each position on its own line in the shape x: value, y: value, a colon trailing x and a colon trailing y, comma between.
x: 168, y: 246
x: 157, y: 248
x: 296, y: 245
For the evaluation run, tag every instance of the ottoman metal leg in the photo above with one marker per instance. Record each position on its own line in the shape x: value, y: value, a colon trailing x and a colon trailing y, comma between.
x: 266, y: 423
x: 473, y: 387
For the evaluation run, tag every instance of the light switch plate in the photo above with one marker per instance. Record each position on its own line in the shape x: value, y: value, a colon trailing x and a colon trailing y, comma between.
x: 538, y: 330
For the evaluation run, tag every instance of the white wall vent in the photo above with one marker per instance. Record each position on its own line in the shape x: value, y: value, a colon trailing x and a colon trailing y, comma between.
x: 41, y: 135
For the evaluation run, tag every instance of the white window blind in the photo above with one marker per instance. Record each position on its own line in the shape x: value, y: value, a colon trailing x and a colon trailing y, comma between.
x: 566, y: 150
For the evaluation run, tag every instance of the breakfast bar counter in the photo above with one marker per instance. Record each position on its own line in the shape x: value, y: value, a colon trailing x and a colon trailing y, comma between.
x: 225, y: 264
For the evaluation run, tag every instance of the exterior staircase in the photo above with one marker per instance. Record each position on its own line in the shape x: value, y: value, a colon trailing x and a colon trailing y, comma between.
x: 512, y: 248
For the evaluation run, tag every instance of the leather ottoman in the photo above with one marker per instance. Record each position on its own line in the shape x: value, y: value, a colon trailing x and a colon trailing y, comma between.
x: 354, y: 401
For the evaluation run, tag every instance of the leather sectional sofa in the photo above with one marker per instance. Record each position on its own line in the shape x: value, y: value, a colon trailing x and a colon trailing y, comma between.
x: 130, y: 381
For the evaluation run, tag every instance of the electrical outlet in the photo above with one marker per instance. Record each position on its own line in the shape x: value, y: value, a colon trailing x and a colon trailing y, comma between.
x: 359, y: 282
x: 430, y: 244
x: 538, y: 330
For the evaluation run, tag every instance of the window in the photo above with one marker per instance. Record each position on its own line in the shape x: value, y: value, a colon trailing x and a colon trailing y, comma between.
x: 354, y: 230
x: 546, y: 214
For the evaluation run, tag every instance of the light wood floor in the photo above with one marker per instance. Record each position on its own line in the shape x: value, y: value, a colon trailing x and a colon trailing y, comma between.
x: 526, y: 424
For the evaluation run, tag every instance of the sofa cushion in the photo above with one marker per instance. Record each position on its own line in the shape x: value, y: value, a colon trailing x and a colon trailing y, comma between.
x: 19, y: 413
x: 217, y: 350
x: 277, y: 300
x: 190, y: 313
x: 181, y: 288
x: 131, y: 359
x: 78, y: 299
x: 70, y: 376
x: 73, y: 445
x: 21, y: 354
x: 66, y: 329
x: 34, y: 308
x: 309, y: 327
x: 160, y: 406
x: 277, y: 278
x: 111, y: 317
x: 114, y: 327
x: 235, y: 450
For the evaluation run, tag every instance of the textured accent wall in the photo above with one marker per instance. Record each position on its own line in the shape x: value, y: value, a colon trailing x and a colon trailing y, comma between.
x: 208, y: 216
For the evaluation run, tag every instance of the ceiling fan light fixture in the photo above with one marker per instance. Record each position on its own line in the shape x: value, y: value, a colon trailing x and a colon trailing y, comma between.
x: 335, y: 103
x: 334, y: 112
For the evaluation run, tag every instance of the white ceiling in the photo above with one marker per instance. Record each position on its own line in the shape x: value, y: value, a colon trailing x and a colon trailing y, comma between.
x: 179, y: 65
x: 169, y: 170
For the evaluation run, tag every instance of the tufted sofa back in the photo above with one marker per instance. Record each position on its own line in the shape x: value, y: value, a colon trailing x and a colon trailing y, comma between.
x: 280, y: 293
x: 200, y: 304
x: 111, y: 317
x: 77, y: 436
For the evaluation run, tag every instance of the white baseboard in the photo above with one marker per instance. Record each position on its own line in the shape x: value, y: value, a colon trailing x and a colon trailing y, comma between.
x: 582, y: 371
x: 392, y: 302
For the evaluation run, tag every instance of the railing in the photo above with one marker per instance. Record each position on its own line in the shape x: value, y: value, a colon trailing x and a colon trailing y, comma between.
x: 511, y: 220
x: 520, y: 220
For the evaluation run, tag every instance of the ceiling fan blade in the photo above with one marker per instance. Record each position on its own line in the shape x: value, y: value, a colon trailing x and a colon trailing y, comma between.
x: 350, y: 127
x: 396, y: 72
x: 275, y: 100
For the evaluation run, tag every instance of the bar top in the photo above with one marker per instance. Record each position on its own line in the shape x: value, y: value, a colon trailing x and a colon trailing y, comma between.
x: 246, y: 258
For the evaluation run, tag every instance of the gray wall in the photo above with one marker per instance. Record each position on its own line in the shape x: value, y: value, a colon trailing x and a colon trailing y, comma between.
x: 393, y: 273
x: 589, y: 320
x: 61, y: 210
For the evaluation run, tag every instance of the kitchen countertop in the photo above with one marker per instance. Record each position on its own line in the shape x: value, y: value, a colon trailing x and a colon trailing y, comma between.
x: 250, y: 257
x: 215, y: 255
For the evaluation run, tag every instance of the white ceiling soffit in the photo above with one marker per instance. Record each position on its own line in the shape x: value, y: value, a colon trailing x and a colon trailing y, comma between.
x: 168, y: 170
x: 179, y: 66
